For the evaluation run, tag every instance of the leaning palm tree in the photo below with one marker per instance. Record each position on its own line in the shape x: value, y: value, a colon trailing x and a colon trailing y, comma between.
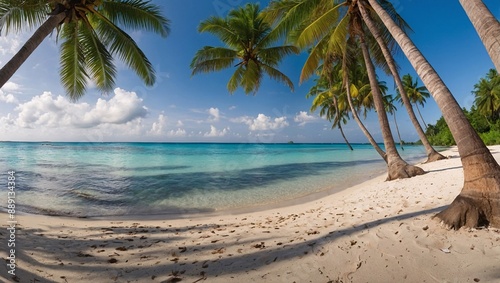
x: 417, y: 94
x: 327, y: 25
x: 248, y: 47
x: 381, y: 35
x: 486, y: 25
x: 91, y: 35
x: 479, y: 201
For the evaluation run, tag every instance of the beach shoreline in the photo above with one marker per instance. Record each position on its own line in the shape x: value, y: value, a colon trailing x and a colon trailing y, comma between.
x: 375, y: 231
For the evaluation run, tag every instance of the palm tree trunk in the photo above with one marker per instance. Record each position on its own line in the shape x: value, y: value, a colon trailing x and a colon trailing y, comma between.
x: 397, y: 167
x: 479, y: 201
x: 397, y: 130
x: 355, y: 113
x: 345, y: 138
x: 33, y: 42
x: 432, y: 154
x: 421, y: 117
x: 487, y: 27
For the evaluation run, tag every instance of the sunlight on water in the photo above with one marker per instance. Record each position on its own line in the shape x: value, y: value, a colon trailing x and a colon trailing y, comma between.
x: 88, y: 179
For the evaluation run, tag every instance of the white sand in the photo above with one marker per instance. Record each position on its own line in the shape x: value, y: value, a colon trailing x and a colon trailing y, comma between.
x: 374, y: 232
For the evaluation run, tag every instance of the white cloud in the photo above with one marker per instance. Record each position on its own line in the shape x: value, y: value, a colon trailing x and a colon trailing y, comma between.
x: 262, y: 122
x: 49, y: 111
x: 179, y: 123
x: 232, y: 107
x: 9, y: 44
x: 214, y: 114
x: 11, y: 87
x: 303, y: 118
x: 177, y: 133
x: 216, y: 133
x: 159, y: 126
x: 8, y: 98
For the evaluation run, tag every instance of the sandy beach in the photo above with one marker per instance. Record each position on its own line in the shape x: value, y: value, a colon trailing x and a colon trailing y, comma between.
x: 376, y: 231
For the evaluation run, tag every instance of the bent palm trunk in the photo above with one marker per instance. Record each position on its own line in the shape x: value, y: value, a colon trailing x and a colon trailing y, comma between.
x: 479, y: 201
x: 487, y: 27
x: 33, y: 42
x: 345, y: 138
x: 356, y: 117
x: 397, y: 167
x: 432, y: 154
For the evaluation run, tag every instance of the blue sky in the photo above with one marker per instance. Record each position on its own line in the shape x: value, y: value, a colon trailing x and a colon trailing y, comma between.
x: 181, y: 108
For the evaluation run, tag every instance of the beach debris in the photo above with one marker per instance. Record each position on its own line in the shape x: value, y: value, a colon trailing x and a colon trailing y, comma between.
x: 121, y: 249
x: 259, y: 246
x: 446, y: 250
x: 182, y: 249
x: 113, y: 260
x: 425, y: 228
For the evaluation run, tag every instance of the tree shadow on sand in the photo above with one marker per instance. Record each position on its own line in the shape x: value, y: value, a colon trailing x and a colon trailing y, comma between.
x: 163, y: 254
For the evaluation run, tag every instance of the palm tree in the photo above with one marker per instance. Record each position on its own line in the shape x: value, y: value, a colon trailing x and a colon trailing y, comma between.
x: 249, y: 42
x: 381, y: 36
x: 479, y: 201
x: 416, y: 94
x: 90, y: 35
x: 329, y: 27
x: 326, y: 98
x: 487, y: 93
x: 486, y: 25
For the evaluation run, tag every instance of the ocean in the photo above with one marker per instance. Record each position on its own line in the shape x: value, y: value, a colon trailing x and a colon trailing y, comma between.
x: 125, y: 179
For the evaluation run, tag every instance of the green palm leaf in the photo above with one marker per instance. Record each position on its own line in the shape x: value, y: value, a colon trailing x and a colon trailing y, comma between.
x: 72, y: 63
x: 136, y: 14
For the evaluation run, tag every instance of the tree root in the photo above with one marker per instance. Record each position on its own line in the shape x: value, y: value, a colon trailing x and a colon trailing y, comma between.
x: 464, y: 212
x: 404, y: 171
x: 435, y: 156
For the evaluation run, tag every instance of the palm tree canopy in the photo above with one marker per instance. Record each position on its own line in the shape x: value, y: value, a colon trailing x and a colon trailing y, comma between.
x: 487, y: 93
x: 417, y: 94
x: 248, y: 47
x: 92, y: 35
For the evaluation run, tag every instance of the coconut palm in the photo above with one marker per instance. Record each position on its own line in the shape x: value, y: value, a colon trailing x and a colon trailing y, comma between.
x: 487, y: 93
x: 328, y: 28
x: 326, y: 99
x: 91, y: 34
x: 248, y: 47
x: 479, y: 201
x: 486, y: 25
x: 381, y: 38
x: 416, y: 94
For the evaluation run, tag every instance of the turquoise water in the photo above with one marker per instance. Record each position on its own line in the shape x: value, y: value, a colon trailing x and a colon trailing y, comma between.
x: 102, y: 179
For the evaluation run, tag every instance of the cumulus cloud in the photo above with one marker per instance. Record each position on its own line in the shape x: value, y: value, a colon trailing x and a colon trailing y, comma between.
x: 50, y: 111
x: 177, y: 133
x: 11, y: 87
x: 303, y: 118
x: 214, y: 114
x: 9, y: 44
x: 158, y: 127
x: 8, y: 98
x: 262, y: 122
x: 216, y: 133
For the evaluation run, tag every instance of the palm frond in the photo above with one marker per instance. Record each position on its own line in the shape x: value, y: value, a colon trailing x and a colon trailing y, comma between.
x: 276, y: 75
x: 72, y: 62
x: 136, y: 14
x: 319, y: 28
x: 16, y: 15
x: 127, y: 50
x: 98, y: 60
x: 273, y: 55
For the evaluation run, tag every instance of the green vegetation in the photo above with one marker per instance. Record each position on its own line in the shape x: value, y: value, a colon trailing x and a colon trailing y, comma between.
x: 484, y: 115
